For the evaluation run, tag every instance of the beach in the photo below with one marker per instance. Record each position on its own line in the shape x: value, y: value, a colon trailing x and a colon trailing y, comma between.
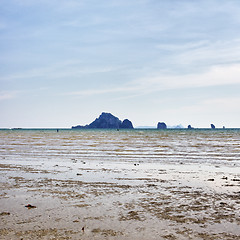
x: 120, y: 185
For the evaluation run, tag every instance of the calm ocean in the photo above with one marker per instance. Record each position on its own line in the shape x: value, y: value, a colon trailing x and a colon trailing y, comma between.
x: 163, y: 146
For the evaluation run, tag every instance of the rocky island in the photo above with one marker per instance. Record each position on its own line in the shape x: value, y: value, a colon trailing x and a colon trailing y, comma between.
x: 161, y: 125
x: 213, y: 126
x: 107, y: 120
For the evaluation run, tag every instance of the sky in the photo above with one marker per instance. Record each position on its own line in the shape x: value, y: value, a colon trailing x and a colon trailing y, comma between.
x: 64, y: 62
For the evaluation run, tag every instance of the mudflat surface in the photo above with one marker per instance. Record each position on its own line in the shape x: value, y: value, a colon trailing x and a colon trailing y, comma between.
x: 109, y: 200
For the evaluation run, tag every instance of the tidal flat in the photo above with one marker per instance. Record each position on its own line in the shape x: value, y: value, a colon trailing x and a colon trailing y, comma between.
x: 123, y: 185
x: 108, y: 200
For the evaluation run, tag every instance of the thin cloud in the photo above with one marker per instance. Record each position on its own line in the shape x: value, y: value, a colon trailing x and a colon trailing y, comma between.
x: 210, y: 106
x: 183, y: 46
x: 60, y: 70
x: 216, y: 76
x: 91, y: 92
x: 227, y: 103
x: 6, y: 95
x: 212, y: 53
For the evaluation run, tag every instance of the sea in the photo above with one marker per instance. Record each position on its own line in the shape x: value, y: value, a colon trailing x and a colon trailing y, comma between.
x: 175, y: 146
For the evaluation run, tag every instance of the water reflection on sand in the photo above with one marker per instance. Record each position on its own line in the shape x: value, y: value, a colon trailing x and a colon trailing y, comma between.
x: 125, y: 185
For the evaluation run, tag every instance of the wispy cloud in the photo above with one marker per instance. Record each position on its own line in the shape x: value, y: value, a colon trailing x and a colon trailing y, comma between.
x: 227, y: 103
x: 211, y: 53
x: 183, y: 46
x: 65, y: 69
x: 6, y: 95
x: 212, y: 106
x: 90, y: 92
x: 216, y: 76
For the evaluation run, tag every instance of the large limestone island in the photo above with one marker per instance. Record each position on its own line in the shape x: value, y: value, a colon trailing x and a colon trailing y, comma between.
x: 107, y: 120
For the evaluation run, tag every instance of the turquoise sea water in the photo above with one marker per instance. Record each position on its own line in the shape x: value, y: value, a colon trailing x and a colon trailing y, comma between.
x: 221, y: 146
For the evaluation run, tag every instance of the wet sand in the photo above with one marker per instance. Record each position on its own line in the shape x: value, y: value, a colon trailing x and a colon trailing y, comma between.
x: 107, y: 200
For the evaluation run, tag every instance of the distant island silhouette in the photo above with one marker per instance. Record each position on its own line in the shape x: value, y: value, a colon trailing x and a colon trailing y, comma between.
x: 161, y: 125
x: 107, y: 120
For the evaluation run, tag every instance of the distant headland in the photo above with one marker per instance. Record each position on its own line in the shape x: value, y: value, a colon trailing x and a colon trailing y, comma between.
x: 107, y: 120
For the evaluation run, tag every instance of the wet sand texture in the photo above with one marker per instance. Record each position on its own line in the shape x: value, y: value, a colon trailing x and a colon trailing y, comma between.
x: 124, y: 202
x: 123, y: 185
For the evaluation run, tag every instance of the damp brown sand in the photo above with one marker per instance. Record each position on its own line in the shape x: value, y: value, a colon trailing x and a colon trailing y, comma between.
x: 107, y: 200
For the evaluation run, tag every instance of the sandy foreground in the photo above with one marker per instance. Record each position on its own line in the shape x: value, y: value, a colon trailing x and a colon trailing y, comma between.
x: 107, y: 200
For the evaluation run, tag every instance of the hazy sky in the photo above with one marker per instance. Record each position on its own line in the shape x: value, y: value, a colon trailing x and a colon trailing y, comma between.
x: 63, y: 62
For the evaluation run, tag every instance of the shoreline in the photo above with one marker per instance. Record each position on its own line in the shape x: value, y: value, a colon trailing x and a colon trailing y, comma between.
x: 122, y: 129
